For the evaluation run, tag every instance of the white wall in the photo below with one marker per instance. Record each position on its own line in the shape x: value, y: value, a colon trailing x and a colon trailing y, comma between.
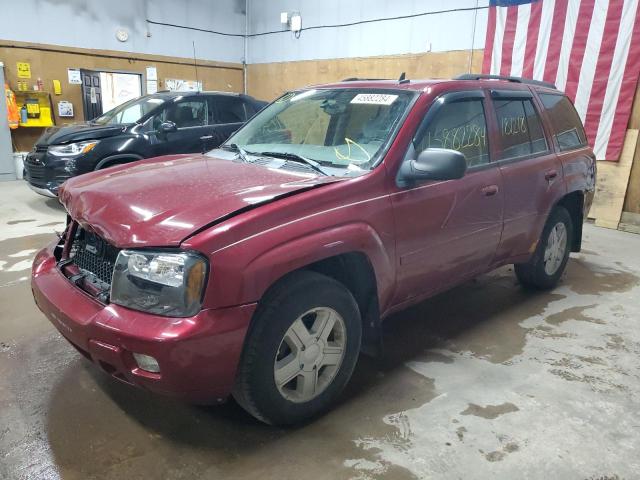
x: 444, y: 32
x: 93, y: 23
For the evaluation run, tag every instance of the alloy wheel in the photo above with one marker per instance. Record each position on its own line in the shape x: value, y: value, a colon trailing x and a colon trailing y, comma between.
x: 310, y: 354
x: 556, y: 247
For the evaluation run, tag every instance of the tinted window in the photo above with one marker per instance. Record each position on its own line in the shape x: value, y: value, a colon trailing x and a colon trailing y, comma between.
x: 520, y: 128
x: 565, y: 121
x: 191, y: 113
x: 534, y: 124
x: 229, y: 110
x: 459, y: 126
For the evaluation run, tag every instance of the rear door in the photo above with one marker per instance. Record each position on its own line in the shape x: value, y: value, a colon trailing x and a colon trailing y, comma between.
x: 532, y: 173
x: 228, y: 114
x: 447, y: 231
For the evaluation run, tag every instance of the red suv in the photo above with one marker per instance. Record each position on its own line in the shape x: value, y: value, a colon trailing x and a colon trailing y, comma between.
x: 263, y: 268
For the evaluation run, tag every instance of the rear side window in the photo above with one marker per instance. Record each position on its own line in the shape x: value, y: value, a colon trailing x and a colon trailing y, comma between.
x: 459, y: 126
x: 566, y: 123
x: 229, y: 110
x: 520, y: 128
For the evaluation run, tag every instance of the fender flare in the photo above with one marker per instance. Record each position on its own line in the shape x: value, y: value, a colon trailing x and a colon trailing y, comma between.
x: 273, y: 264
x: 120, y: 156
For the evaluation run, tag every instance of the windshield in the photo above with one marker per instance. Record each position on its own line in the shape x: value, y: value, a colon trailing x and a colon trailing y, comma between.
x: 131, y: 111
x: 346, y: 129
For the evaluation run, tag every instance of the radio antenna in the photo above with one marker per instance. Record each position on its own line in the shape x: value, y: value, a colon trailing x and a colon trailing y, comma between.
x: 195, y: 64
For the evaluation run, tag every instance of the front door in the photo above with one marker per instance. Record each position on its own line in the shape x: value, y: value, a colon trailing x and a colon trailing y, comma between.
x: 448, y: 231
x: 91, y: 94
x: 190, y: 117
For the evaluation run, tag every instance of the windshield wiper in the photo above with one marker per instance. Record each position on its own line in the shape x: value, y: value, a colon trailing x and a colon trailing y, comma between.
x: 298, y: 158
x: 242, y: 153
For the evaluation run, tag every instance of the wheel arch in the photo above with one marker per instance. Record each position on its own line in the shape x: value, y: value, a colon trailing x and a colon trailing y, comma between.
x: 353, y: 254
x: 117, y: 159
x: 355, y: 272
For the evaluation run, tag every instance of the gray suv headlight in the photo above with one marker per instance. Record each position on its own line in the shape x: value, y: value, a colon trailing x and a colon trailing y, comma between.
x: 159, y: 282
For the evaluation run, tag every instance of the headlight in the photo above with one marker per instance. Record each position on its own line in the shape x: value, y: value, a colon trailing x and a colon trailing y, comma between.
x: 158, y: 282
x: 72, y: 149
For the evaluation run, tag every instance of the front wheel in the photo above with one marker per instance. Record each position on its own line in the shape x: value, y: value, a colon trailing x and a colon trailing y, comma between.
x: 544, y: 269
x: 301, y: 350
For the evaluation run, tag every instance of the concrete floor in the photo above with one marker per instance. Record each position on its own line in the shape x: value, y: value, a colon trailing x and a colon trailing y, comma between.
x: 485, y: 381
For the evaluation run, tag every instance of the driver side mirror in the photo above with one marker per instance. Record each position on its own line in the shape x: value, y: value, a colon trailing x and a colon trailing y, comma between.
x: 166, y: 127
x: 433, y: 164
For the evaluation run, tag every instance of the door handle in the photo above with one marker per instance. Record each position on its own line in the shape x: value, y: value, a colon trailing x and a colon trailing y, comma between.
x: 550, y: 174
x: 490, y: 190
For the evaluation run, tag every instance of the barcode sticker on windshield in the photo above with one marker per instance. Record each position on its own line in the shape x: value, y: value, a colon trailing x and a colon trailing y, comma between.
x: 374, y: 98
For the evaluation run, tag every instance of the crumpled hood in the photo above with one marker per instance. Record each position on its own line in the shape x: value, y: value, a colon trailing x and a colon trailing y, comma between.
x: 77, y: 132
x: 161, y: 201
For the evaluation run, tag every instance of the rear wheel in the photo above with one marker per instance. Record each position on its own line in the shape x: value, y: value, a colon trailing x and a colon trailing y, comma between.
x: 544, y: 269
x: 301, y: 350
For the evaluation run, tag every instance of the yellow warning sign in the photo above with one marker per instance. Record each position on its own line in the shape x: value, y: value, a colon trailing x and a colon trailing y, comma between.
x: 24, y: 70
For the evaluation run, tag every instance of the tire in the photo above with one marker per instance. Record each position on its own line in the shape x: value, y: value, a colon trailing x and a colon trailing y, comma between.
x: 273, y: 348
x: 546, y: 266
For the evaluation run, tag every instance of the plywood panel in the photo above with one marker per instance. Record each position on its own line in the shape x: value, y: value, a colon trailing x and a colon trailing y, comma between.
x: 611, y: 185
x: 632, y: 200
x: 51, y: 62
x: 268, y: 81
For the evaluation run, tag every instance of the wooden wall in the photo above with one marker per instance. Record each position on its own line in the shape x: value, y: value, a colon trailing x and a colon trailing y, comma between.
x: 268, y: 80
x: 51, y: 62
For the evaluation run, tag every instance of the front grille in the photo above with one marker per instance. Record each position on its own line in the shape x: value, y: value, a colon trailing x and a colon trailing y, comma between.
x: 41, y: 148
x: 93, y: 256
x: 35, y: 170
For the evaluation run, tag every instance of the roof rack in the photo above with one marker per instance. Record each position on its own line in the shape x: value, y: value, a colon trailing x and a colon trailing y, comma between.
x: 403, y: 79
x: 356, y: 79
x: 528, y: 81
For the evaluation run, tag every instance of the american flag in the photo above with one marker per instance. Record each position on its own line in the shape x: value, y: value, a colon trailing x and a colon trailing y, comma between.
x: 589, y: 48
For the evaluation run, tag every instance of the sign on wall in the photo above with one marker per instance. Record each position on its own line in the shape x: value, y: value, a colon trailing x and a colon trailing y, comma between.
x: 24, y: 69
x: 177, y: 85
x: 65, y: 109
x: 74, y: 76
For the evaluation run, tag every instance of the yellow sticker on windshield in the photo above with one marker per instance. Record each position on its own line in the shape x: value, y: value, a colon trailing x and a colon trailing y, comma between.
x: 347, y: 156
x: 374, y: 98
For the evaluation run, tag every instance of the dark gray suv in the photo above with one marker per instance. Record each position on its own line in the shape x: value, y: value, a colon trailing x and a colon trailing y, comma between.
x: 149, y: 126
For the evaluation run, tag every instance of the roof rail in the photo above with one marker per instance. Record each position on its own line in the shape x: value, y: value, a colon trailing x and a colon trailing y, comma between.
x: 528, y: 81
x: 356, y: 79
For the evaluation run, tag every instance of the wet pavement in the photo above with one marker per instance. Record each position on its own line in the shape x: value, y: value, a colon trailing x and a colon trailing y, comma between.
x: 484, y: 381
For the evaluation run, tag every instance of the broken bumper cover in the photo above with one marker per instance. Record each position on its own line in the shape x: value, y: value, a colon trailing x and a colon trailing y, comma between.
x: 198, y: 356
